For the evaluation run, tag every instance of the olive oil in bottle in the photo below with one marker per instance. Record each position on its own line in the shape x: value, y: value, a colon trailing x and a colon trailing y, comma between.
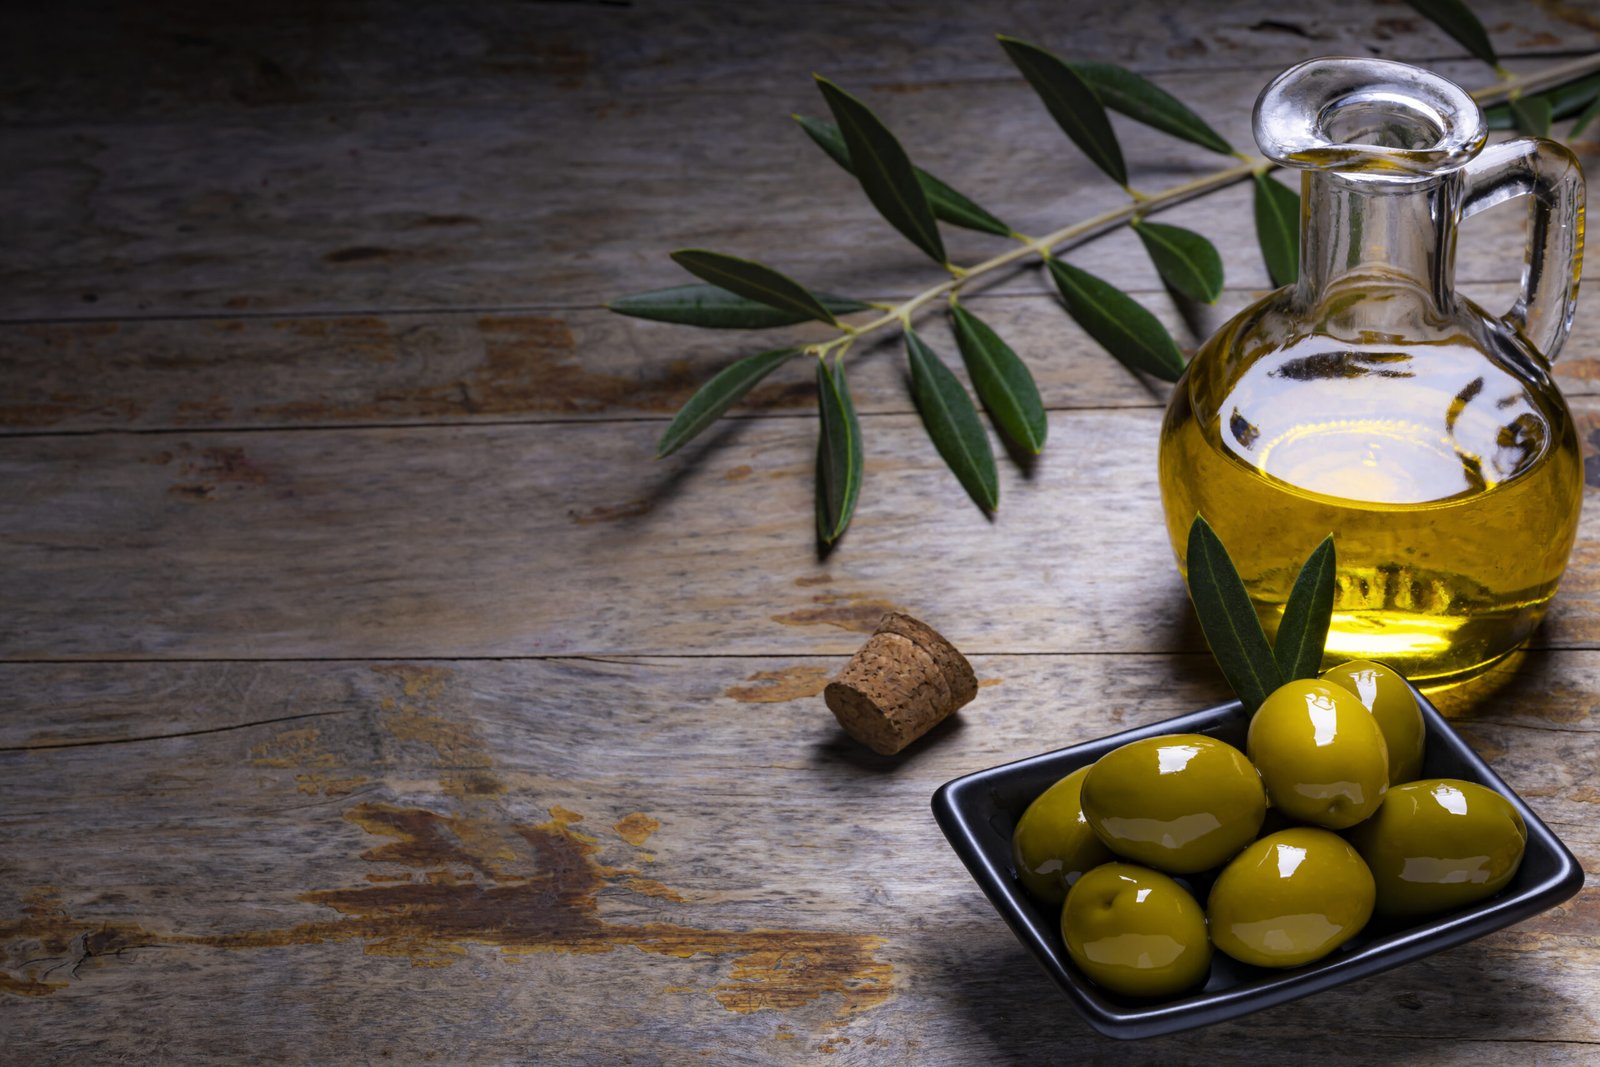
x: 1369, y: 400
x: 1453, y: 505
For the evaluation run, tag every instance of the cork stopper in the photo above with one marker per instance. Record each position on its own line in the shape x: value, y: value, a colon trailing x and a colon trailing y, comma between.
x: 901, y: 684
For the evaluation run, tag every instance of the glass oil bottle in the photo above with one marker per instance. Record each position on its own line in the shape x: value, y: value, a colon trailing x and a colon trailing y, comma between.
x: 1369, y: 400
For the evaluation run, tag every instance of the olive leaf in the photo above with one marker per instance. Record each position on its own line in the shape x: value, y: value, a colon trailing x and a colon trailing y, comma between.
x: 1228, y: 618
x: 1185, y: 260
x: 1456, y: 19
x: 753, y: 281
x: 1531, y: 115
x: 884, y: 170
x: 718, y: 395
x: 1120, y: 89
x: 839, y: 460
x: 1584, y: 119
x: 714, y: 307
x: 1303, y: 631
x: 1498, y: 117
x: 1278, y: 228
x: 1118, y: 322
x: 952, y: 423
x: 1572, y: 97
x: 1566, y: 100
x: 948, y: 205
x: 1073, y: 104
x: 1002, y: 381
x: 745, y: 294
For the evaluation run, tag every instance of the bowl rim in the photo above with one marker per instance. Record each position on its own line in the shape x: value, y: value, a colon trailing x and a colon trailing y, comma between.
x: 959, y: 803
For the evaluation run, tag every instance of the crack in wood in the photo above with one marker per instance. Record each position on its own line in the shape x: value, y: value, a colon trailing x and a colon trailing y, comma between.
x: 48, y: 745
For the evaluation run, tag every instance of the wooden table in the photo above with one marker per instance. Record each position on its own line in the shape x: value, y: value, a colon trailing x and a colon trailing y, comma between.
x: 370, y: 695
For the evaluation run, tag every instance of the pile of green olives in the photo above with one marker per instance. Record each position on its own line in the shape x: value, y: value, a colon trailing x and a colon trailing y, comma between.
x: 1317, y: 825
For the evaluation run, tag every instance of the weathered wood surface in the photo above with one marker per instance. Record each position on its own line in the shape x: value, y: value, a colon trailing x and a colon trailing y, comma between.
x: 540, y: 366
x: 550, y: 365
x: 105, y: 60
x: 464, y: 732
x: 301, y: 206
x: 586, y: 860
x: 567, y: 539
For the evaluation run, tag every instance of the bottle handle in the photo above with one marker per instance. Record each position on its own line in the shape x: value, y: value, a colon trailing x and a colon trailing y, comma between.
x: 1550, y: 175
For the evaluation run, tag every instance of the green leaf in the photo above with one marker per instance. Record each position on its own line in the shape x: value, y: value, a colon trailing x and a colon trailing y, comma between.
x: 1456, y: 19
x: 1118, y: 322
x: 884, y: 170
x: 952, y: 422
x: 1074, y: 105
x: 1498, y: 117
x: 1278, y: 229
x: 1584, y: 119
x: 1566, y: 100
x: 753, y: 281
x: 1002, y: 380
x: 828, y: 138
x: 956, y: 209
x: 839, y: 462
x: 1229, y: 619
x: 718, y: 395
x: 1185, y: 260
x: 1120, y: 89
x: 1532, y: 115
x: 948, y: 205
x: 1303, y: 632
x: 1572, y: 97
x: 714, y: 307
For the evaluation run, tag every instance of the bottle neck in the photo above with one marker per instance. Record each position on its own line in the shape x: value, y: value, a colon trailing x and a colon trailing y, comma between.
x: 1357, y: 232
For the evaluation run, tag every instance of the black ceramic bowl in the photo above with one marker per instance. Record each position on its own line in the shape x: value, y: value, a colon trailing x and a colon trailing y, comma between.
x: 979, y: 811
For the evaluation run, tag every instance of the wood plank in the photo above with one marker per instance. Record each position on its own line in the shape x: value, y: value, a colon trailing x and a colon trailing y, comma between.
x: 561, y: 539
x: 553, y: 365
x: 258, y: 238
x: 372, y: 209
x: 505, y: 843
x: 448, y: 367
x: 76, y: 63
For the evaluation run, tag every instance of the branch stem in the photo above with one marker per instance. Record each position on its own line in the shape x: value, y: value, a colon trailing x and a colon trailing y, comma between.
x: 966, y: 278
x: 1538, y: 81
x: 1051, y: 243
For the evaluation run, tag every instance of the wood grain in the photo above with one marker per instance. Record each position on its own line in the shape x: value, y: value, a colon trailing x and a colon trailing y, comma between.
x: 567, y: 538
x: 107, y: 61
x: 302, y: 210
x: 547, y: 366
x: 441, y: 834
x: 367, y: 695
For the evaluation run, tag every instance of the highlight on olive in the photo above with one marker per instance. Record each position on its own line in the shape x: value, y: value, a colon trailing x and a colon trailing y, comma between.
x: 1135, y: 931
x: 1321, y: 754
x: 1181, y: 803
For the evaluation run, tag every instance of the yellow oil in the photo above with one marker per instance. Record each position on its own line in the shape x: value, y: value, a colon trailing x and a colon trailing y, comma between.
x: 1451, y: 484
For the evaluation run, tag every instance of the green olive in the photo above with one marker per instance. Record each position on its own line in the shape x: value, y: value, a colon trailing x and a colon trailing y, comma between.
x: 1391, y: 701
x: 1440, y: 844
x: 1180, y: 803
x: 1053, y: 844
x: 1290, y: 898
x: 1320, y: 753
x: 1136, y: 931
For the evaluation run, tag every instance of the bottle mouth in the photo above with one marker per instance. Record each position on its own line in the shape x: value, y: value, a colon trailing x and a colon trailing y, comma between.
x: 1368, y: 116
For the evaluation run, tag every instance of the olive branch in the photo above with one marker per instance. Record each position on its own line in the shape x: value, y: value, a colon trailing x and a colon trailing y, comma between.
x: 737, y: 293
